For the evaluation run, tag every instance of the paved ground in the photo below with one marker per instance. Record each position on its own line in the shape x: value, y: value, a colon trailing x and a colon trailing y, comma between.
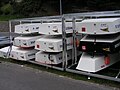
x: 7, y: 34
x: 17, y: 77
x: 4, y: 26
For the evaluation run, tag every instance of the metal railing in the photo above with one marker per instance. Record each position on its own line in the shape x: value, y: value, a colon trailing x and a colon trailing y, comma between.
x: 73, y: 18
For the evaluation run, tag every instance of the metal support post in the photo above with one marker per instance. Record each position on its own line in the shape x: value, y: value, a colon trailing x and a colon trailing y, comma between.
x: 20, y: 22
x: 94, y: 45
x: 118, y: 74
x: 64, y: 53
x: 10, y: 36
x: 74, y: 50
x: 60, y: 7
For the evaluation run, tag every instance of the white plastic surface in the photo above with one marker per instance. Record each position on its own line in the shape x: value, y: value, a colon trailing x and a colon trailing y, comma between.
x: 55, y: 28
x: 25, y: 41
x: 51, y: 58
x: 89, y: 63
x: 27, y: 28
x: 52, y: 44
x: 23, y: 54
x: 100, y: 26
x: 105, y: 38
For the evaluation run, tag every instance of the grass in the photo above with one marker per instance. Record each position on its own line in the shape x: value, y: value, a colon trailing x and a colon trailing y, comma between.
x: 9, y: 17
x: 66, y: 74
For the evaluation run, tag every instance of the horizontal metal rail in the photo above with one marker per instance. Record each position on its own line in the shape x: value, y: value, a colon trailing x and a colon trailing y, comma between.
x: 78, y: 72
x: 101, y: 14
x: 69, y: 17
x: 93, y: 75
x: 45, y: 65
x: 94, y: 14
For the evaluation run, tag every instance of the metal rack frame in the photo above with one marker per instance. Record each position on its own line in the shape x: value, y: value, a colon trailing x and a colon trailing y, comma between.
x: 73, y: 18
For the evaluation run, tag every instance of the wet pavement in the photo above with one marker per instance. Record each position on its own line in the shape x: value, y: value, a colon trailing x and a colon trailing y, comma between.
x: 19, y: 77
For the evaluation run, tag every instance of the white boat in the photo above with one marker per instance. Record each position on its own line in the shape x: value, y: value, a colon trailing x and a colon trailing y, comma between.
x: 27, y: 28
x: 54, y: 28
x: 5, y: 51
x: 99, y: 26
x: 53, y: 44
x: 100, y: 43
x: 51, y: 58
x: 25, y: 41
x: 23, y: 54
x: 90, y: 63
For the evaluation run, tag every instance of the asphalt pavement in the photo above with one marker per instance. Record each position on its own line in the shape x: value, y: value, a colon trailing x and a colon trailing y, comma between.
x: 8, y: 34
x: 19, y: 77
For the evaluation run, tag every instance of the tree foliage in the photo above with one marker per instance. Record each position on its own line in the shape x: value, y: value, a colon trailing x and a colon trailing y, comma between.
x: 6, y: 9
x: 100, y: 5
x: 30, y: 8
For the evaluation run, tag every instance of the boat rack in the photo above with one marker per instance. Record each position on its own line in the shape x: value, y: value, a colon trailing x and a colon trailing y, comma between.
x: 72, y: 18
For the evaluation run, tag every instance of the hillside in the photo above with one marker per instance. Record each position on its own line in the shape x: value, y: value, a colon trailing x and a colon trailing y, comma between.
x: 30, y: 8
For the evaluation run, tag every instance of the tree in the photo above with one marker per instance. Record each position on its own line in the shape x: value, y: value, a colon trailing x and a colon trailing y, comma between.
x: 52, y: 7
x: 101, y: 5
x: 28, y: 7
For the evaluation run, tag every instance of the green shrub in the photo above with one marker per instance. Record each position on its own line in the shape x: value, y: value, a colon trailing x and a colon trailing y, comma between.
x: 6, y: 9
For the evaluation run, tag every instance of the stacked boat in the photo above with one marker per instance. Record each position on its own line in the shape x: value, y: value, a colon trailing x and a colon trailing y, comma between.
x: 51, y: 46
x: 100, y: 45
x: 23, y: 46
x: 43, y: 42
x: 25, y: 42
